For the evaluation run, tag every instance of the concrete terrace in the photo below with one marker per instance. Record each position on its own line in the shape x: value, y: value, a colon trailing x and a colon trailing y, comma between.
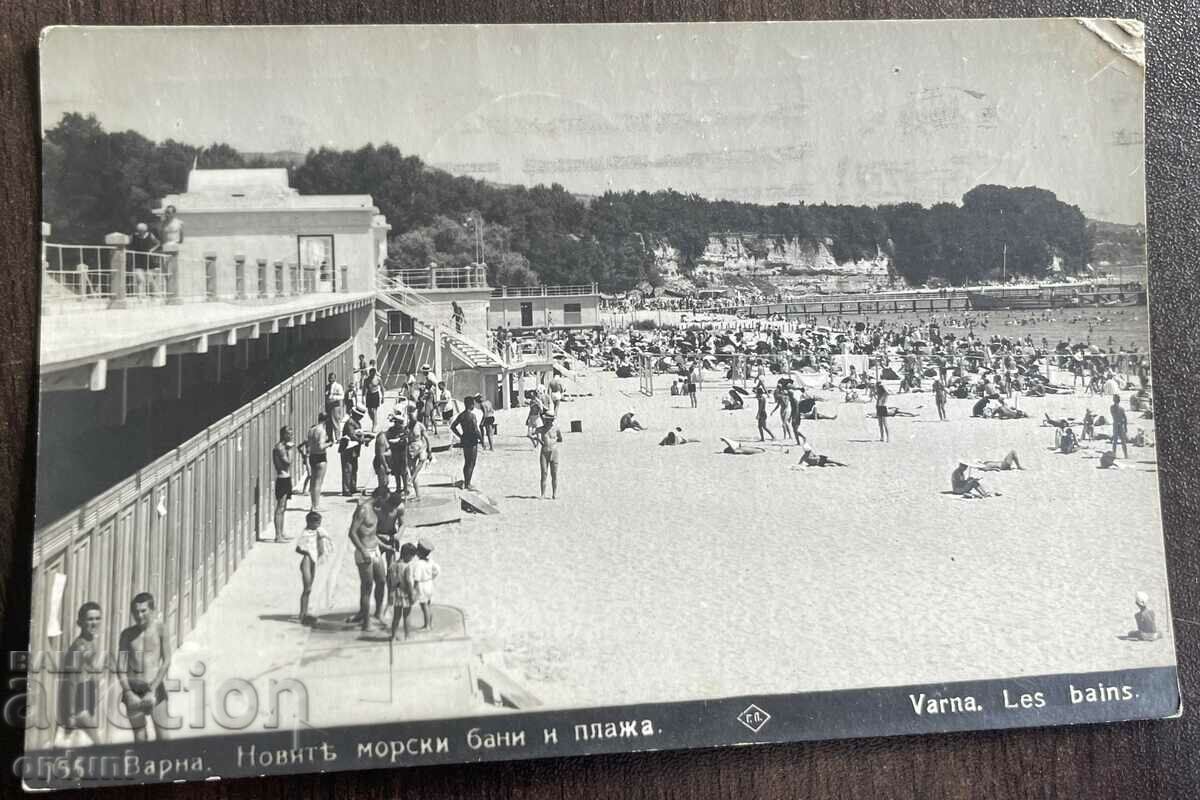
x: 71, y: 338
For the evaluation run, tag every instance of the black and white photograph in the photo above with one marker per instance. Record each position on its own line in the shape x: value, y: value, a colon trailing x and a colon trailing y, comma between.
x: 435, y: 394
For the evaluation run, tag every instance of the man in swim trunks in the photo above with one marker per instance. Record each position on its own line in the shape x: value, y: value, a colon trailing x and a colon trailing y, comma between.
x: 466, y: 427
x: 881, y: 411
x: 281, y: 461
x: 368, y: 553
x: 78, y: 695
x: 142, y: 662
x: 317, y: 442
x: 487, y: 425
x: 629, y: 422
x: 373, y: 393
x: 1010, y: 462
x: 555, y: 387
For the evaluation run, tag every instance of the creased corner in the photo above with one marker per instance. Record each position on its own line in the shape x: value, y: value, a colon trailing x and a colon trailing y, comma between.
x: 1126, y: 36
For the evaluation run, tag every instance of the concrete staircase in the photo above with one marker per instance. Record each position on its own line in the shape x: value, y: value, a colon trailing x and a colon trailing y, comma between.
x: 425, y: 315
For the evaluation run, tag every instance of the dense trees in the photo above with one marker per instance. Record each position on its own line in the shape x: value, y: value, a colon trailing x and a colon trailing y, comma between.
x: 96, y: 182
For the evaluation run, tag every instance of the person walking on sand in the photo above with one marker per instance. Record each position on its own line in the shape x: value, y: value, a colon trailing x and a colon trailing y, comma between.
x: 548, y: 456
x: 881, y: 411
x: 939, y: 397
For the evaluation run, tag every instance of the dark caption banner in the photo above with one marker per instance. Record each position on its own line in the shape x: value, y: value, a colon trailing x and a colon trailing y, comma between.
x: 933, y: 708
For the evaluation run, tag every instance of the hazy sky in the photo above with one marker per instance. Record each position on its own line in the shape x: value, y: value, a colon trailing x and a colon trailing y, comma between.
x: 863, y: 113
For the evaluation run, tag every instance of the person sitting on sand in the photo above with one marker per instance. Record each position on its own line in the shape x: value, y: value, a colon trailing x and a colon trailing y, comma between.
x: 1010, y: 461
x: 810, y: 459
x: 1147, y: 628
x: 736, y: 448
x: 1068, y: 443
x: 1108, y: 460
x: 675, y: 437
x: 734, y: 402
x: 980, y: 409
x: 966, y: 486
x: 630, y: 423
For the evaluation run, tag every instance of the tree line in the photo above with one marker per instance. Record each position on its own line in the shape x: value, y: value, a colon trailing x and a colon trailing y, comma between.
x: 96, y: 182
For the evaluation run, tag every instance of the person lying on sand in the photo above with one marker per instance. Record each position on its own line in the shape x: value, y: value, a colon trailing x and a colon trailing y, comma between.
x: 1010, y: 462
x: 966, y: 486
x: 1005, y: 411
x: 894, y: 411
x: 733, y: 402
x: 811, y: 459
x: 736, y: 448
x: 676, y: 437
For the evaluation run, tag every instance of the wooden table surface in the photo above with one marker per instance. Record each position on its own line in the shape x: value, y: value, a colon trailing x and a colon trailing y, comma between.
x: 1150, y: 759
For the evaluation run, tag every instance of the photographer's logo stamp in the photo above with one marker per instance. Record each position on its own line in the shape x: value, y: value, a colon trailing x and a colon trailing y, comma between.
x: 753, y: 718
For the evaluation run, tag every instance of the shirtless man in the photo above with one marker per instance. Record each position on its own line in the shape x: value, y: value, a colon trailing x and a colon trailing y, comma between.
x: 79, y: 697
x: 142, y: 662
x: 555, y: 387
x: 962, y: 484
x: 281, y: 460
x: 368, y: 553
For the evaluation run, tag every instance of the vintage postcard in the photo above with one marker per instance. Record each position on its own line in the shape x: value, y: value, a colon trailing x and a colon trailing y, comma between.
x: 414, y: 395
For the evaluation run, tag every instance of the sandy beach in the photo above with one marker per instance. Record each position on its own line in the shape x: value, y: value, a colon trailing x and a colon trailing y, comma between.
x: 672, y: 573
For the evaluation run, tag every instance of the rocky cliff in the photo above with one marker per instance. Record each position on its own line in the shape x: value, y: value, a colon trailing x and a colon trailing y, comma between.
x: 764, y: 254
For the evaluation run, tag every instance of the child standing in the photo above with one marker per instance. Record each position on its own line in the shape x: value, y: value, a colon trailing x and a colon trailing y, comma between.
x: 400, y: 587
x: 422, y: 573
x: 313, y: 545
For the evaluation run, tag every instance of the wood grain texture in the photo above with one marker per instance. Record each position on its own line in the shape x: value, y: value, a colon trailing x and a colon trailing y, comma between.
x: 1153, y: 759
